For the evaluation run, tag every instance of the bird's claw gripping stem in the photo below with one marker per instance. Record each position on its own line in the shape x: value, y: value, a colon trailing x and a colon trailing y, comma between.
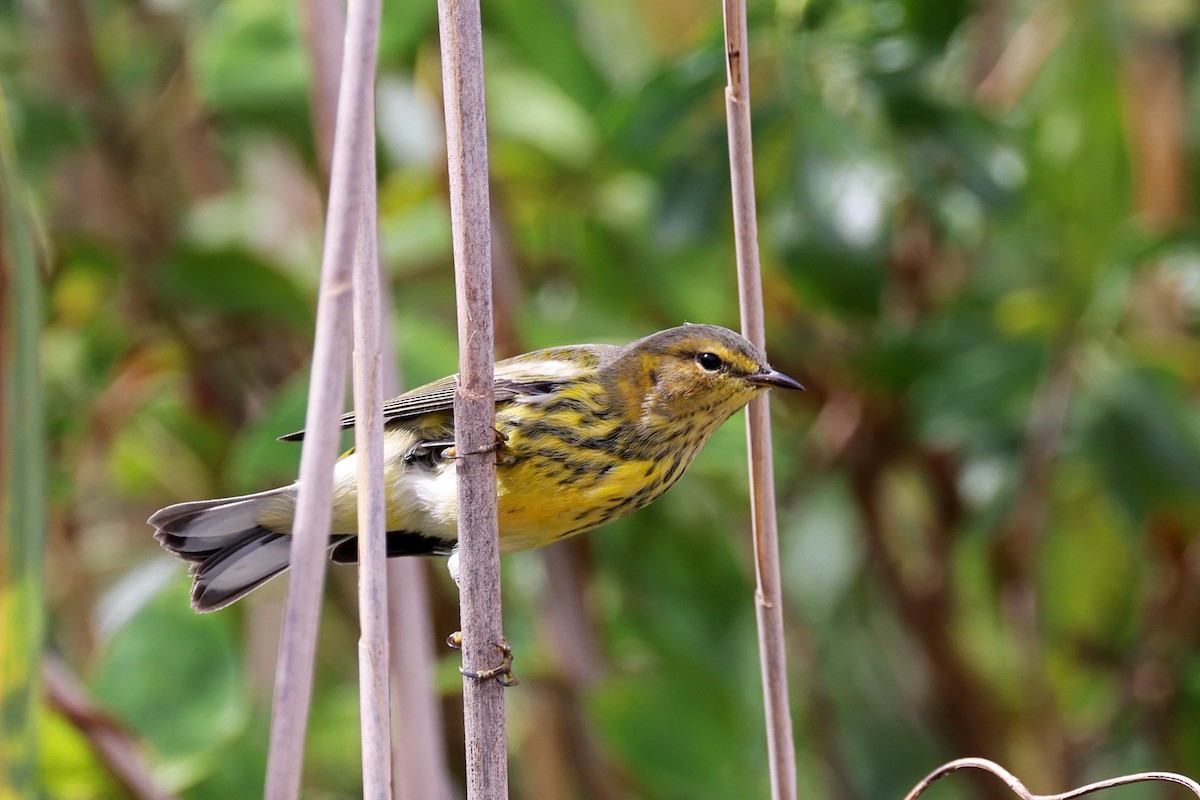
x: 496, y: 446
x: 502, y: 673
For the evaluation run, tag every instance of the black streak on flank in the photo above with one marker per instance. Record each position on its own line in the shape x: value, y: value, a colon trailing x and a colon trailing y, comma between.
x: 535, y: 388
x: 399, y: 543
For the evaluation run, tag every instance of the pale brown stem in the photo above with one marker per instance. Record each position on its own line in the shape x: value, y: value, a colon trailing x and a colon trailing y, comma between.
x: 374, y: 704
x: 419, y: 768
x: 768, y: 595
x: 1154, y: 92
x: 1023, y: 57
x: 1019, y: 789
x: 314, y: 505
x: 474, y: 404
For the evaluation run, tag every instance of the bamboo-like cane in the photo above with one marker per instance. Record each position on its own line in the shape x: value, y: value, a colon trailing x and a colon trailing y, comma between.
x: 314, y: 505
x: 419, y: 768
x: 474, y: 406
x: 374, y: 704
x: 768, y: 597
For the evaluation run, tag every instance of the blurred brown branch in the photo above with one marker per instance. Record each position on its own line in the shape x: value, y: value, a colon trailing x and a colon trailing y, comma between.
x: 116, y: 748
x: 1155, y: 104
x: 1024, y: 56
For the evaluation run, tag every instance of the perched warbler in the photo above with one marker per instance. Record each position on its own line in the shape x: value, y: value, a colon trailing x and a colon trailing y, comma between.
x: 586, y: 434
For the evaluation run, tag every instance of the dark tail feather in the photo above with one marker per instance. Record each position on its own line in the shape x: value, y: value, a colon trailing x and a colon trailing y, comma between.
x: 231, y: 553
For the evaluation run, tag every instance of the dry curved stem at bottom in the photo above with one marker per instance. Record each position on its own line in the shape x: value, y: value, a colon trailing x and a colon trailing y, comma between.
x: 502, y: 672
x: 1019, y: 789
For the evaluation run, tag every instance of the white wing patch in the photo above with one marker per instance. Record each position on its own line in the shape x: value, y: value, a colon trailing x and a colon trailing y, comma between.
x: 555, y: 369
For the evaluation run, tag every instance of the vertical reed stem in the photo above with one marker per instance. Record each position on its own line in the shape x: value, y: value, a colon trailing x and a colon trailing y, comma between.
x: 474, y: 406
x: 374, y: 704
x: 314, y: 506
x: 768, y: 605
x: 419, y: 768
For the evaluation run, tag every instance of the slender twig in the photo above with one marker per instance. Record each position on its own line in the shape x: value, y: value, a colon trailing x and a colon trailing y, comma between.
x: 115, y: 748
x: 1019, y: 789
x: 474, y: 406
x: 419, y: 768
x: 769, y: 605
x: 314, y: 506
x: 372, y: 531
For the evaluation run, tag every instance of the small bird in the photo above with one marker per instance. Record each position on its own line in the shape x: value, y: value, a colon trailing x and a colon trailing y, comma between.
x: 585, y: 434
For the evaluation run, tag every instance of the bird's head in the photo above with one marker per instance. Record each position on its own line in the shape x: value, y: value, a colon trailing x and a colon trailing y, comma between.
x: 697, y: 374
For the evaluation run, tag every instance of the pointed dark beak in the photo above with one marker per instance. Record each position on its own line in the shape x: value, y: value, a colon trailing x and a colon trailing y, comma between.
x: 771, y: 378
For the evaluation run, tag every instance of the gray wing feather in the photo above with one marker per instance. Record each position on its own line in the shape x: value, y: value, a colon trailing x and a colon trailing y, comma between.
x: 430, y: 398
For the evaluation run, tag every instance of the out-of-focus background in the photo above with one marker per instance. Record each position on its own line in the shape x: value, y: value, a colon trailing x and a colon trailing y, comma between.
x: 980, y: 254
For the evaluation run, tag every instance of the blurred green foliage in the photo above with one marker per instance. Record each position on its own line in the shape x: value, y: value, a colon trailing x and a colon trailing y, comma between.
x: 22, y: 478
x: 980, y: 254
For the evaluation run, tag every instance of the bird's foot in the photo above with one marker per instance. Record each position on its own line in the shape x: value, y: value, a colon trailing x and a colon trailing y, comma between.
x: 497, y: 447
x: 502, y: 673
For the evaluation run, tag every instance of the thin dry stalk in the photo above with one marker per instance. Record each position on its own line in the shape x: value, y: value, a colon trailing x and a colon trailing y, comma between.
x: 419, y: 768
x: 314, y: 506
x: 1019, y: 789
x: 474, y: 404
x: 768, y: 596
x: 374, y: 704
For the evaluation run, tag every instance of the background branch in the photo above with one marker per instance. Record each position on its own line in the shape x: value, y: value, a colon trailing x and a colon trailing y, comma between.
x: 115, y: 748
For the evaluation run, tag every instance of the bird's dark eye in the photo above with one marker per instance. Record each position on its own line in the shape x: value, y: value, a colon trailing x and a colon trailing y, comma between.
x: 709, y: 361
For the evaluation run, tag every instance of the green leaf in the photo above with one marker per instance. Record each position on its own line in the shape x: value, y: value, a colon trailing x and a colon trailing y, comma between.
x: 175, y: 678
x: 233, y: 282
x: 1145, y: 440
